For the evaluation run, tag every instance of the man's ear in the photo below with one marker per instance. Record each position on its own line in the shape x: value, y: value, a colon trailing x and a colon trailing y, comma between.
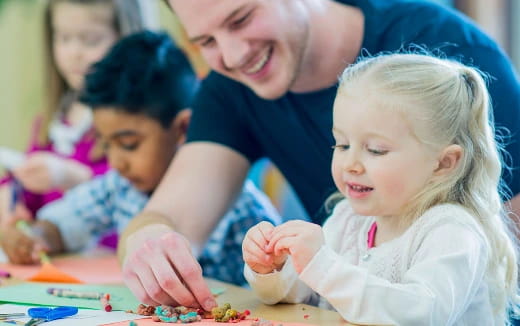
x: 448, y: 160
x: 180, y: 125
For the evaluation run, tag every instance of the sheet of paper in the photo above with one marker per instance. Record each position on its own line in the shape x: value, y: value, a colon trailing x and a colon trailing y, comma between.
x: 10, y: 158
x: 205, y: 322
x: 32, y: 293
x: 85, y: 317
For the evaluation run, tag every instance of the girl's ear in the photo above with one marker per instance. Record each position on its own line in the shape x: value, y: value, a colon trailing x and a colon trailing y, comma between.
x: 180, y: 125
x: 448, y: 160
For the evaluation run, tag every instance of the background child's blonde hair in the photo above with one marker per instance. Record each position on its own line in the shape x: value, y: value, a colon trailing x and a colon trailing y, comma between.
x: 446, y: 102
x: 129, y: 16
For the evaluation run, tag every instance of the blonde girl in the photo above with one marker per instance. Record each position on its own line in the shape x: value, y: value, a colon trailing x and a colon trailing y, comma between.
x: 62, y: 151
x: 420, y: 237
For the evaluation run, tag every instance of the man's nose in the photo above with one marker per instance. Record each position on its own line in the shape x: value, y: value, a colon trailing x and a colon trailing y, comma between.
x: 234, y: 51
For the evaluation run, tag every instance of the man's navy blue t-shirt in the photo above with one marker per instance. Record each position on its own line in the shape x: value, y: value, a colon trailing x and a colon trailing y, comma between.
x: 294, y: 131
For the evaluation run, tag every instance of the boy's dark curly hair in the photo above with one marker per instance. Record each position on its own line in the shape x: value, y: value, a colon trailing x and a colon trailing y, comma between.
x: 144, y: 73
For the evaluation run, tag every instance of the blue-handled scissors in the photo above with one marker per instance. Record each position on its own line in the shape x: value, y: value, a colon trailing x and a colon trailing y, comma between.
x: 42, y: 315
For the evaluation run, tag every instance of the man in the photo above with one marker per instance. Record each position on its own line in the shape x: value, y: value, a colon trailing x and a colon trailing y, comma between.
x: 275, y: 67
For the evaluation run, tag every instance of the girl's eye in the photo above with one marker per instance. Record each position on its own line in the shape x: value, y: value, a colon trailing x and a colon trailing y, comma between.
x: 61, y: 38
x: 341, y: 147
x: 377, y: 151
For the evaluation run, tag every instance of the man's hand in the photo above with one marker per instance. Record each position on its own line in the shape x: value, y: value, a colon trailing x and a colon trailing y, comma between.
x: 159, y: 268
x: 253, y: 249
x: 300, y: 239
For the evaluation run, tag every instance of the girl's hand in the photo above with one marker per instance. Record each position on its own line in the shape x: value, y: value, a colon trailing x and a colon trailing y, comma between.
x: 253, y: 249
x: 300, y: 239
x: 35, y: 173
x: 43, y: 171
x: 20, y: 248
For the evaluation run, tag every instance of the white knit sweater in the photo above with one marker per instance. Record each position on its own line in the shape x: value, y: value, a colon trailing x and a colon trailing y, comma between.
x: 433, y: 274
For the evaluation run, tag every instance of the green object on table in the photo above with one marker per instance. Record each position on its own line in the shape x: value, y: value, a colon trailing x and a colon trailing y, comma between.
x: 35, y: 293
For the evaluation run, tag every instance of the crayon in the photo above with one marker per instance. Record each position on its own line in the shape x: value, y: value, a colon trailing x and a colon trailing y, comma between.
x: 104, y: 302
x: 68, y: 293
x: 5, y: 274
x: 16, y: 194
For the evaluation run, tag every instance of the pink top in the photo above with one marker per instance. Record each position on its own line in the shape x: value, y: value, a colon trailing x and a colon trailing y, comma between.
x: 81, y: 153
x: 372, y: 236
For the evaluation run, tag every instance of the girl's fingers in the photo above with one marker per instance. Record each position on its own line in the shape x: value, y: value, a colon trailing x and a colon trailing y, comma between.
x: 257, y: 237
x: 284, y: 246
x: 277, y: 235
x: 252, y: 249
x: 265, y: 229
x: 257, y: 257
x: 258, y: 261
x: 289, y: 229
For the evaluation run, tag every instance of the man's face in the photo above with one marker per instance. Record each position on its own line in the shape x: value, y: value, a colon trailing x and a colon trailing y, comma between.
x: 259, y: 43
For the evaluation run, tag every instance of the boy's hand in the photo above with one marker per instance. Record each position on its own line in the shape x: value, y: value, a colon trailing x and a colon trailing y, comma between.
x: 253, y: 249
x: 20, y: 212
x: 9, y: 214
x: 300, y: 239
x: 20, y: 248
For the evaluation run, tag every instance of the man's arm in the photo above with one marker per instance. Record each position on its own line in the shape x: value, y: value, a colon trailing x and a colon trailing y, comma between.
x: 200, y: 185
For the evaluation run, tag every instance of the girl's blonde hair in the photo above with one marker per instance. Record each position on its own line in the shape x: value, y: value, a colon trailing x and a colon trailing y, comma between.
x: 448, y: 103
x: 129, y: 16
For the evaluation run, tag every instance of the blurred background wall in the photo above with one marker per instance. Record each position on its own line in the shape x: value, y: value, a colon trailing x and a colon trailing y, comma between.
x: 21, y: 82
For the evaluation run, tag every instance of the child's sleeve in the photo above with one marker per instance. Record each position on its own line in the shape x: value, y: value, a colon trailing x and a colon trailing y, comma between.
x: 84, y: 213
x: 285, y: 285
x: 280, y: 286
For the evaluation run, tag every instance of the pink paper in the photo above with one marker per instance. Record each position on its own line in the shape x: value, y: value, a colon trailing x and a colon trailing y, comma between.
x: 205, y: 322
x: 91, y: 270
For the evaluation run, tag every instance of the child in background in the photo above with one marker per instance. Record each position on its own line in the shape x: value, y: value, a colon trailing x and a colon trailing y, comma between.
x: 139, y: 94
x: 62, y: 152
x: 420, y: 236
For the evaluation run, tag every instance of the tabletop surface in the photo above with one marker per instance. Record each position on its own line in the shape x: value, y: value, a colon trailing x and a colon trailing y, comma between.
x: 239, y: 298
